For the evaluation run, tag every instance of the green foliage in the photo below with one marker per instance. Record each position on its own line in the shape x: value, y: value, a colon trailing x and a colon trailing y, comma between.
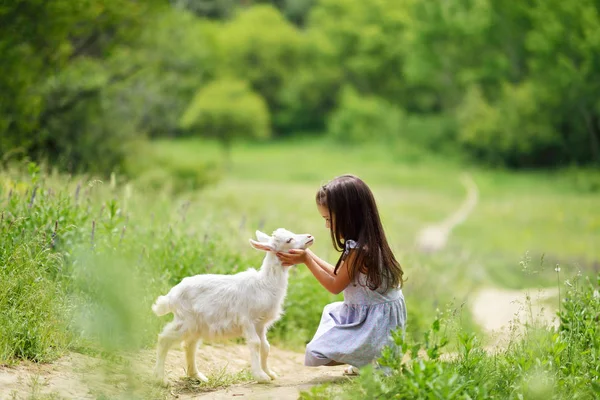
x: 218, y: 9
x: 563, y: 45
x: 178, y: 52
x: 59, y: 38
x: 514, y: 131
x: 227, y: 110
x: 79, y: 79
x: 539, y: 363
x: 364, y: 36
x: 161, y: 166
x: 116, y: 247
x: 363, y: 119
x: 296, y: 11
x: 262, y: 48
x: 307, y: 98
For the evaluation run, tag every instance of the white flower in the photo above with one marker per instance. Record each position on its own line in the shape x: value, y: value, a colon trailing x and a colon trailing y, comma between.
x: 557, y: 269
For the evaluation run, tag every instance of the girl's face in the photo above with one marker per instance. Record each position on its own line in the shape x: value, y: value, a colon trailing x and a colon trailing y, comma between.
x: 325, y: 214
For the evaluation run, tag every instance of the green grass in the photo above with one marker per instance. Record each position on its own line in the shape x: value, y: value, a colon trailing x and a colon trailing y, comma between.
x: 519, y: 215
x: 538, y: 363
x: 216, y: 380
x: 83, y: 259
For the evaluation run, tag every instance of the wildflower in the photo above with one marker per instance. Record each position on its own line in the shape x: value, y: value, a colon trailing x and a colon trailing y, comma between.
x: 557, y: 269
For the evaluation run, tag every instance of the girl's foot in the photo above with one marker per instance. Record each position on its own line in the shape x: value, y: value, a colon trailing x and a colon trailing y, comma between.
x: 350, y: 370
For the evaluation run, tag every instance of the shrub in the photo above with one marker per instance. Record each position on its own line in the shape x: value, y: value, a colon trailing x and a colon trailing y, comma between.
x: 364, y: 119
x: 262, y: 48
x: 227, y: 110
x: 513, y: 131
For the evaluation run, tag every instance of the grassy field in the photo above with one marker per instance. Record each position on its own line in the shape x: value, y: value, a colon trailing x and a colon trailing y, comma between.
x: 520, y: 215
x: 82, y: 259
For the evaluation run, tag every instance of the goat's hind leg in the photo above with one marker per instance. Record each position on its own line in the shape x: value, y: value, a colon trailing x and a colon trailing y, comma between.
x: 190, y: 345
x: 170, y: 335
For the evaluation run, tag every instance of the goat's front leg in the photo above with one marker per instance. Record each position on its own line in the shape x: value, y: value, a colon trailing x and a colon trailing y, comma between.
x: 254, y: 344
x: 190, y: 345
x: 264, y: 351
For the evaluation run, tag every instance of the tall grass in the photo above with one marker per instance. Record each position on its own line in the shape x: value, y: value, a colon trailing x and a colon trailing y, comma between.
x: 81, y: 260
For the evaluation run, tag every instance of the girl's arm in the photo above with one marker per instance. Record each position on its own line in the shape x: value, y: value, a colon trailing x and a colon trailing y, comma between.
x: 320, y: 269
x: 325, y: 266
x: 333, y: 283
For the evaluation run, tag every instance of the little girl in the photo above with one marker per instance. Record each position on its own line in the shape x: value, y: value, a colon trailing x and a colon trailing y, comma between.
x: 353, y: 331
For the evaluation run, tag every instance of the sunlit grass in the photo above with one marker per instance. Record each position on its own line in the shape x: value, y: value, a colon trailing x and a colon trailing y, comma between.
x: 83, y: 258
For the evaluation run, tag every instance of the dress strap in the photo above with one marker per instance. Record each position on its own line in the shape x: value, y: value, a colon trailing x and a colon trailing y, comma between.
x: 350, y: 244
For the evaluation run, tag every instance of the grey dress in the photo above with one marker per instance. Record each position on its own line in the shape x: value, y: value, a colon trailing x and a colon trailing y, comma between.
x: 354, y: 331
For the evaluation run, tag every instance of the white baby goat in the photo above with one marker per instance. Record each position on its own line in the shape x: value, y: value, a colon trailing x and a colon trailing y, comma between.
x: 212, y: 306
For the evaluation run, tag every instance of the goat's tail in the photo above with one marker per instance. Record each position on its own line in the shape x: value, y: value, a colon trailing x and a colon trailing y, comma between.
x: 162, y: 306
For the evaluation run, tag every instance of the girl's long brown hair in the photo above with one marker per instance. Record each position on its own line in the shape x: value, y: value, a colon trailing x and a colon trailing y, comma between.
x: 354, y: 216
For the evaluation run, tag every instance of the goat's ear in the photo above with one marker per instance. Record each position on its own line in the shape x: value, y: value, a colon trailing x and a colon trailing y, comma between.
x: 261, y: 246
x: 262, y: 237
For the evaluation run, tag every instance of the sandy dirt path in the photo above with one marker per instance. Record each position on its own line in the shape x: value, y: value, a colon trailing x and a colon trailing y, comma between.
x: 77, y: 376
x: 502, y: 312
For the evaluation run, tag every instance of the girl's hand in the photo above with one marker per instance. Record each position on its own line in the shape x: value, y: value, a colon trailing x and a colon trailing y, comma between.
x: 295, y: 256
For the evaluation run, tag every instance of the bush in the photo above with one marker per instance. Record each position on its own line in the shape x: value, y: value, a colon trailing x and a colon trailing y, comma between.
x: 514, y: 131
x: 364, y: 119
x: 59, y: 100
x: 158, y: 165
x: 262, y: 48
x: 178, y: 52
x: 305, y: 100
x: 227, y: 110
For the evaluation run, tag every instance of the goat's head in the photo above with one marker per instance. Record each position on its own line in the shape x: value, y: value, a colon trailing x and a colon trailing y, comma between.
x: 281, y: 240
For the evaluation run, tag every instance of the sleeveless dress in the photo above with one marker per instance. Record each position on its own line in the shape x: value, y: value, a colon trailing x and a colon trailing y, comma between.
x: 355, y: 331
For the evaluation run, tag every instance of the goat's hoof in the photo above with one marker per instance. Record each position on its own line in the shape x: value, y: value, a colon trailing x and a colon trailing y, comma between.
x: 199, y: 376
x: 161, y: 380
x: 272, y: 374
x: 262, y: 377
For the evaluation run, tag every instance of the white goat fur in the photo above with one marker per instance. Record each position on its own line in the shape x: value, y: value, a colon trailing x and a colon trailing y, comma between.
x: 212, y: 306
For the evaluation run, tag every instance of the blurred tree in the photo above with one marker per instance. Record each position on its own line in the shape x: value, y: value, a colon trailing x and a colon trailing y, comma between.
x: 564, y: 64
x: 262, y: 48
x: 529, y: 71
x: 179, y: 55
x: 42, y: 42
x: 307, y: 99
x: 217, y: 9
x: 367, y: 40
x: 296, y: 11
x: 227, y: 110
x: 362, y: 119
x: 514, y: 130
x: 513, y: 83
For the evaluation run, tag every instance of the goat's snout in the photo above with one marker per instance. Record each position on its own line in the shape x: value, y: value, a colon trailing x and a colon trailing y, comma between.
x: 309, y: 240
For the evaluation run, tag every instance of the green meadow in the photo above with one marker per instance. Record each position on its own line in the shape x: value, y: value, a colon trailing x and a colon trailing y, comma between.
x: 83, y: 258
